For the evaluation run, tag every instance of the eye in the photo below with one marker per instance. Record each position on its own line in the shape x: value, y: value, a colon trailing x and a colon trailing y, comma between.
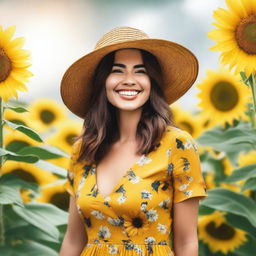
x: 141, y: 71
x: 116, y: 71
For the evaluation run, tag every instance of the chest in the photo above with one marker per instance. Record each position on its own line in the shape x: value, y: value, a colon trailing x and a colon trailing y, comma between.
x: 113, y: 166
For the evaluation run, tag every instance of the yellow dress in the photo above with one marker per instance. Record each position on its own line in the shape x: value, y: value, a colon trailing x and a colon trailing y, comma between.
x: 135, y: 218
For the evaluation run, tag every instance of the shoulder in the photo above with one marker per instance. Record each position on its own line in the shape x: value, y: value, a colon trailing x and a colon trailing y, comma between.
x: 177, y: 138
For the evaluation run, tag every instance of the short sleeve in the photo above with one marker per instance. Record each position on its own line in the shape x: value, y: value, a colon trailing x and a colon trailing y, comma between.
x: 69, y: 184
x: 187, y: 178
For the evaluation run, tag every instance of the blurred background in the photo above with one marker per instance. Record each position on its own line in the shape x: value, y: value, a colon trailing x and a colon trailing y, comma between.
x: 61, y: 31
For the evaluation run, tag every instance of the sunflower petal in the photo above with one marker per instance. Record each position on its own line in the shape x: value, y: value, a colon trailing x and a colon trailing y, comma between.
x: 237, y: 7
x: 220, y: 35
x: 229, y: 19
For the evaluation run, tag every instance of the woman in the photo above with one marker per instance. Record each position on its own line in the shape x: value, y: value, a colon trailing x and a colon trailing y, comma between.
x: 134, y: 177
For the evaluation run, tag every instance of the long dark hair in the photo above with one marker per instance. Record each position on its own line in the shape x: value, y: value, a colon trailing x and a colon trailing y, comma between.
x: 100, y: 127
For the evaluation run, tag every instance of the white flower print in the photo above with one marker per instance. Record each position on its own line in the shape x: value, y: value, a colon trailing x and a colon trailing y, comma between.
x: 143, y: 206
x: 152, y: 215
x: 104, y: 232
x: 98, y: 214
x: 112, y: 249
x: 144, y: 160
x: 164, y: 204
x: 161, y: 228
x: 121, y: 199
x: 107, y: 198
x: 189, y: 178
x: 188, y: 144
x: 146, y: 194
x: 139, y: 251
x: 150, y: 240
x: 188, y: 193
x: 132, y: 177
x: 183, y: 187
x: 115, y: 222
x: 168, y: 152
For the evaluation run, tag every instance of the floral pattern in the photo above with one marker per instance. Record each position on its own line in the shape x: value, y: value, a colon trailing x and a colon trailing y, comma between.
x: 136, y: 216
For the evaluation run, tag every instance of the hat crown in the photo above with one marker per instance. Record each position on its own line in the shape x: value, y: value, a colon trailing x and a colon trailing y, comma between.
x: 120, y: 35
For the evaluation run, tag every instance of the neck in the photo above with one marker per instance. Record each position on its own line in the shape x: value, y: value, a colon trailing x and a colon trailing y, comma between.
x: 128, y: 121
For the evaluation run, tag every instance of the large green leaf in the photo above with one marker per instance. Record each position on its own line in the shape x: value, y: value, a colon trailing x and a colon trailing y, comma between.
x: 229, y: 201
x: 242, y: 173
x: 32, y: 217
x: 250, y: 184
x: 52, y: 168
x: 43, y: 152
x: 27, y: 248
x: 232, y: 140
x: 11, y: 180
x: 24, y: 129
x: 9, y: 195
x: 9, y: 155
x: 28, y: 232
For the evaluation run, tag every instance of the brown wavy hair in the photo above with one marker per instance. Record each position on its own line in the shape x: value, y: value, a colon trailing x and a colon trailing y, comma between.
x: 100, y: 127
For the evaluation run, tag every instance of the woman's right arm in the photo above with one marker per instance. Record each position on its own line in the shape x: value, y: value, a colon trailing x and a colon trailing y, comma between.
x: 75, y: 238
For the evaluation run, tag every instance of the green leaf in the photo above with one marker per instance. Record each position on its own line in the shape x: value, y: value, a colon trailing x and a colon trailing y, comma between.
x: 28, y: 232
x: 10, y: 195
x: 27, y: 248
x: 245, y: 79
x: 233, y: 141
x: 35, y: 219
x: 15, y: 157
x: 11, y: 180
x: 242, y: 173
x: 17, y: 109
x: 43, y: 152
x: 229, y: 201
x: 250, y: 184
x: 52, y: 168
x: 24, y: 129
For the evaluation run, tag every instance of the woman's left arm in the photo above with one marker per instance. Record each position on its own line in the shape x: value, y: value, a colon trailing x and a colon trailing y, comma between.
x: 185, y: 215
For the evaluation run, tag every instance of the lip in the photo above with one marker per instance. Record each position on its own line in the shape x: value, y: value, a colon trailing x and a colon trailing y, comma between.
x: 128, y: 90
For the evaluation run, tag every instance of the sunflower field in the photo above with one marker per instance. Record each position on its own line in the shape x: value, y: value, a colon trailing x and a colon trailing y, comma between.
x: 36, y: 141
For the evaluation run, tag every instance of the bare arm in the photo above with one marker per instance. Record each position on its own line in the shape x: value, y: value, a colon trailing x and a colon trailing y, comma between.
x: 185, y: 227
x: 75, y: 238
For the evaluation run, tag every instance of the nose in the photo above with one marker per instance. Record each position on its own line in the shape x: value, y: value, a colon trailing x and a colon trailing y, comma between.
x: 129, y: 79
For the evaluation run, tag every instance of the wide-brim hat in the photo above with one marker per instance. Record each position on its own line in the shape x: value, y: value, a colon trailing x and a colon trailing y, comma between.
x: 179, y: 67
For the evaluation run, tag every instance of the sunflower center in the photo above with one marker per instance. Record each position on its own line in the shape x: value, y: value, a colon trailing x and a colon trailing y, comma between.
x: 47, y: 116
x: 222, y: 232
x: 70, y: 138
x: 187, y: 126
x: 24, y: 175
x: 137, y: 222
x: 246, y: 34
x: 5, y: 64
x: 224, y: 96
x: 61, y: 200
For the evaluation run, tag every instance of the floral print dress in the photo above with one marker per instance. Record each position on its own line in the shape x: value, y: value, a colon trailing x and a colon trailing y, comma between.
x: 135, y: 218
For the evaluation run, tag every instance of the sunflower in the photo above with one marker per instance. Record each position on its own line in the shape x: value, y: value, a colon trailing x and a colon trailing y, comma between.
x: 54, y: 194
x: 210, y: 180
x: 15, y: 140
x: 14, y: 62
x: 45, y: 113
x: 235, y: 35
x: 223, y: 97
x: 214, y: 230
x: 187, y: 121
x: 29, y: 172
x: 64, y: 138
x: 135, y: 223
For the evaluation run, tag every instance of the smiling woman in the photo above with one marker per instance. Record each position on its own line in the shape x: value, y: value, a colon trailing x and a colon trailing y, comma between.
x: 132, y: 172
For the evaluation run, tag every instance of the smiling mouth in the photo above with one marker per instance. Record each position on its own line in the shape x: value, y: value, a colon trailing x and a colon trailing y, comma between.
x: 128, y: 92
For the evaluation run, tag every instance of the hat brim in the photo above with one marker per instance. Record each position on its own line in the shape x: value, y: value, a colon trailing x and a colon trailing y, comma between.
x: 179, y: 66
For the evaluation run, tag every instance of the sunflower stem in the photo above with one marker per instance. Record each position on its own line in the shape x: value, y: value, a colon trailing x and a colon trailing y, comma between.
x: 253, y: 88
x: 2, y: 238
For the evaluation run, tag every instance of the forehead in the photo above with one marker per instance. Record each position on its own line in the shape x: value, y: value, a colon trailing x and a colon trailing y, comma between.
x: 128, y: 55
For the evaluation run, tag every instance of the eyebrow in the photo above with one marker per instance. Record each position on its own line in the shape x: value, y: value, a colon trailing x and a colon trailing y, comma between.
x: 124, y: 66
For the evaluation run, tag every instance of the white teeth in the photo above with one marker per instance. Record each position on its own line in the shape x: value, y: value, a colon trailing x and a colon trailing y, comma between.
x: 128, y: 93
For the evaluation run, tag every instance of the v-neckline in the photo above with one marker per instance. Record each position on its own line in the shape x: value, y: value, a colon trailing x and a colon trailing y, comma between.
x: 133, y: 167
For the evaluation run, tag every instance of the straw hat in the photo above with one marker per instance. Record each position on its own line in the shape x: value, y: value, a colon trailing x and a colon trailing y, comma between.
x: 179, y: 66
